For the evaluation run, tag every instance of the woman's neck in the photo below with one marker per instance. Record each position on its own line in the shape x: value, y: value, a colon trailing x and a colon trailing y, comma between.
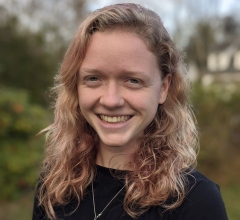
x: 115, y: 157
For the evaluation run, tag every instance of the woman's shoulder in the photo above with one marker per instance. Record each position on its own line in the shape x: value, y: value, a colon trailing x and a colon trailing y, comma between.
x: 198, y: 182
x: 203, y: 200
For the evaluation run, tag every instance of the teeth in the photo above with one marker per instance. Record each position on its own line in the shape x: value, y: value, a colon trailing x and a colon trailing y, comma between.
x: 115, y: 119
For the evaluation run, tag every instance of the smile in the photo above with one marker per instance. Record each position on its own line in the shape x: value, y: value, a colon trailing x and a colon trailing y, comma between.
x: 114, y: 119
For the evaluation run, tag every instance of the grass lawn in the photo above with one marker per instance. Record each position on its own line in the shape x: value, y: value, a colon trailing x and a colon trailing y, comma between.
x: 231, y: 197
x: 21, y: 209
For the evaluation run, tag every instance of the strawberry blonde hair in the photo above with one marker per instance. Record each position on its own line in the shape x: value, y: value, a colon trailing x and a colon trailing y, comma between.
x: 168, y: 147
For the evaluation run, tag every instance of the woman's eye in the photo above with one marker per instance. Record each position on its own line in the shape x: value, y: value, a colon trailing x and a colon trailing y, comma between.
x: 133, y: 81
x: 93, y: 79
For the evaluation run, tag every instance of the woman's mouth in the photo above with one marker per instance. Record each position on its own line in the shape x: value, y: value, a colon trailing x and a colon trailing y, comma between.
x: 114, y: 119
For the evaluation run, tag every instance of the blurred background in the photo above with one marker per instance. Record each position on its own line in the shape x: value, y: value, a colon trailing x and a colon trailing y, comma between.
x: 34, y: 36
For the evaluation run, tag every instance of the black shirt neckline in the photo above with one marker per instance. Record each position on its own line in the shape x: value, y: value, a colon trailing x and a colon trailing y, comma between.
x: 110, y: 173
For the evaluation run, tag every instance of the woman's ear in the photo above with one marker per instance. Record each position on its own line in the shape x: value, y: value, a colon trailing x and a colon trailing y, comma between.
x: 164, y: 88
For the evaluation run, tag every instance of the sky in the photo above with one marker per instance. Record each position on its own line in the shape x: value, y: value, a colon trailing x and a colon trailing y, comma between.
x: 167, y: 8
x: 225, y: 6
x: 171, y: 13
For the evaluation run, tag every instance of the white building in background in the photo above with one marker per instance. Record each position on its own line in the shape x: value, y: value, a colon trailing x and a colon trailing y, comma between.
x: 223, y: 64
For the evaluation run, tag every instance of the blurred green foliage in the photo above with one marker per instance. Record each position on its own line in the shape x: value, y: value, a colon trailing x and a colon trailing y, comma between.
x: 25, y: 61
x: 27, y: 68
x: 217, y: 109
x: 20, y: 152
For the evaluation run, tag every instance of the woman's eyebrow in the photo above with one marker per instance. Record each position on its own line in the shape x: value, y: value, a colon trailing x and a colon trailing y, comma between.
x: 123, y: 72
x: 88, y: 70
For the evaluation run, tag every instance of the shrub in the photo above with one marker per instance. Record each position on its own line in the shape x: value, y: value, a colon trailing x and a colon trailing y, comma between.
x: 217, y: 110
x: 20, y: 150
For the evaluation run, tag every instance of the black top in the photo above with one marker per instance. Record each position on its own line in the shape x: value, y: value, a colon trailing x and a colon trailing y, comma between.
x: 203, y: 202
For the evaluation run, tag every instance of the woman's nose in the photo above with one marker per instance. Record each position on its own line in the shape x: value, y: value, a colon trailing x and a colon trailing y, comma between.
x: 111, y: 97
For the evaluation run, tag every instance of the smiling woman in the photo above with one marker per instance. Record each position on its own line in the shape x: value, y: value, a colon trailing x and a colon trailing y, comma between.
x: 123, y: 143
x: 127, y: 85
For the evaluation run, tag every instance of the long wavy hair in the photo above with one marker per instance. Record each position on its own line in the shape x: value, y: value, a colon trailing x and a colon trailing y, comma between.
x: 168, y: 148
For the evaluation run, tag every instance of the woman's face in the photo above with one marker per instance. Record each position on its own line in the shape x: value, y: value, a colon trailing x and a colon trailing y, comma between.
x: 120, y: 87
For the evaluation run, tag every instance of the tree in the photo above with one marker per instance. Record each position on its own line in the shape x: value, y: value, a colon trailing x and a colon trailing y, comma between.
x: 230, y: 28
x: 24, y: 61
x: 200, y: 43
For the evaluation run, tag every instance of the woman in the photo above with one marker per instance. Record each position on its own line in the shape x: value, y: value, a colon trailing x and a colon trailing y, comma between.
x: 123, y: 143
